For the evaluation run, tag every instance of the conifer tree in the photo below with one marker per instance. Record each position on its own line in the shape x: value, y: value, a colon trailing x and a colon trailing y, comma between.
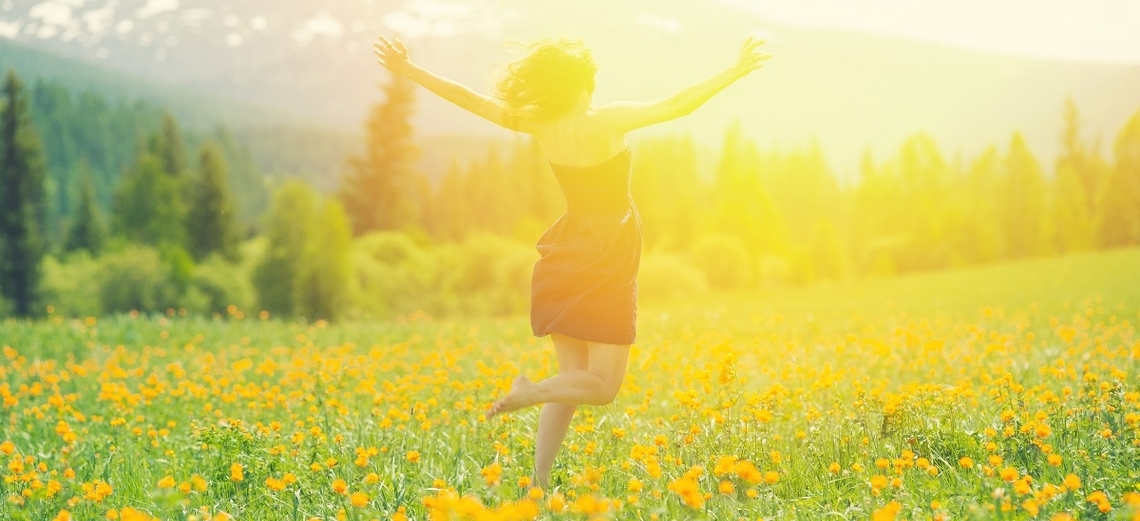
x: 87, y: 230
x: 379, y: 189
x: 1119, y: 222
x: 211, y: 224
x: 22, y: 200
x: 148, y: 207
x: 1023, y: 202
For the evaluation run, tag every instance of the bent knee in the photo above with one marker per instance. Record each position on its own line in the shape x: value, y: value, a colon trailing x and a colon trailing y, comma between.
x: 607, y: 393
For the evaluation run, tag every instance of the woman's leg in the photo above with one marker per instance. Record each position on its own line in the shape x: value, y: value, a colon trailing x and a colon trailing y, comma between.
x: 598, y: 384
x: 555, y: 418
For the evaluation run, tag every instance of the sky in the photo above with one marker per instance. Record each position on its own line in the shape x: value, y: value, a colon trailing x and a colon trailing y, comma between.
x: 1097, y: 30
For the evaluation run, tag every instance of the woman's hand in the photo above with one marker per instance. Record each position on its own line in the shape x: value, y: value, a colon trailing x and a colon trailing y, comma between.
x: 393, y: 56
x: 750, y: 56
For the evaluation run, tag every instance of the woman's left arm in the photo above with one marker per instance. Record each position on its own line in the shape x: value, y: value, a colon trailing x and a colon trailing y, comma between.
x: 394, y: 56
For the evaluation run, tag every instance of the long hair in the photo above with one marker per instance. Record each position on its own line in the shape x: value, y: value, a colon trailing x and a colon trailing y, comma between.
x: 546, y: 82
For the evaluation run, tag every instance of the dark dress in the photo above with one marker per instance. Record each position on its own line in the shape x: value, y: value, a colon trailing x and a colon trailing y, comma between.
x: 585, y: 284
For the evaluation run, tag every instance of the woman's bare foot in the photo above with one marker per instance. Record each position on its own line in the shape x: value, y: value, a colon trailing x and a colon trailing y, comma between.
x: 523, y: 393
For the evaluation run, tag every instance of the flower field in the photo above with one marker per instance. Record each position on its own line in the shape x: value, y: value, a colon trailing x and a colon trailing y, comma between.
x: 1000, y: 393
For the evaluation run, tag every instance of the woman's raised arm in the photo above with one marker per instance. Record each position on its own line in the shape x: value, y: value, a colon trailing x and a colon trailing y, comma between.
x: 626, y: 116
x: 394, y: 56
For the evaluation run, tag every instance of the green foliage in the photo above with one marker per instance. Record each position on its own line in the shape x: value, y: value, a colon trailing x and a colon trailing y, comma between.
x: 72, y: 286
x: 87, y: 231
x: 22, y: 201
x: 211, y: 219
x: 380, y: 190
x: 393, y: 275
x: 725, y: 262
x: 1119, y: 224
x: 321, y: 290
x: 666, y: 276
x: 216, y: 285
x: 287, y: 229
x: 149, y: 205
x: 136, y: 279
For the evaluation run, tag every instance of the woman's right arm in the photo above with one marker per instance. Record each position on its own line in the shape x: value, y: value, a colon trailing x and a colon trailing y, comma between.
x: 394, y: 56
x: 627, y: 116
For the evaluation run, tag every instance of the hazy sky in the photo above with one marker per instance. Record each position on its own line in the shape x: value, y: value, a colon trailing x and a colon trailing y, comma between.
x: 1102, y: 30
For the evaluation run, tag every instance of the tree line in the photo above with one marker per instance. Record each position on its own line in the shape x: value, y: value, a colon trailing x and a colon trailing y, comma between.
x: 114, y: 209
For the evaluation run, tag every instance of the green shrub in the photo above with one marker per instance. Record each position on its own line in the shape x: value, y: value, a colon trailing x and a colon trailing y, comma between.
x: 667, y: 276
x: 217, y: 284
x: 136, y: 278
x: 724, y: 260
x: 71, y: 286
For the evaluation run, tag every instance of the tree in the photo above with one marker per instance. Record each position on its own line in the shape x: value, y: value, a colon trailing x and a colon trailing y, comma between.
x: 1023, y: 202
x: 211, y: 224
x: 325, y: 270
x: 87, y: 231
x: 167, y: 145
x: 148, y: 205
x: 287, y: 230
x: 1119, y: 223
x: 378, y: 191
x: 22, y: 200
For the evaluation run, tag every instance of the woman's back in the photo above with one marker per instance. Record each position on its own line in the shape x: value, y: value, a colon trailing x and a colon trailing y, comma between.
x: 579, y: 139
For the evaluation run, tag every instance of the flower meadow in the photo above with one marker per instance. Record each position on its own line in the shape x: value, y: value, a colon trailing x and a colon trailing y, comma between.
x: 731, y: 409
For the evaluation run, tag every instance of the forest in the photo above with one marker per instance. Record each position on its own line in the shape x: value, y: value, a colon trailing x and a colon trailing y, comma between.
x: 112, y: 207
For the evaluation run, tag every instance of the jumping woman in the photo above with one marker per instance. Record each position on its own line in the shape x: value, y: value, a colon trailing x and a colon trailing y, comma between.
x: 584, y: 287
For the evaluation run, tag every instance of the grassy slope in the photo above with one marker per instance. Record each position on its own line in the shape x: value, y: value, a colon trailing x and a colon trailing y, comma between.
x: 1053, y: 284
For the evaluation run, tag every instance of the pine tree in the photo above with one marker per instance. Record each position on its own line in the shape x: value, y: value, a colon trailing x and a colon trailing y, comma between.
x: 87, y: 231
x: 378, y: 191
x: 211, y: 224
x: 1023, y: 202
x: 22, y: 201
x: 1119, y: 223
x: 148, y: 206
x: 168, y: 146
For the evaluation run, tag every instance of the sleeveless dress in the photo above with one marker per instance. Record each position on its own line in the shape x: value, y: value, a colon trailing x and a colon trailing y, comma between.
x: 585, y: 282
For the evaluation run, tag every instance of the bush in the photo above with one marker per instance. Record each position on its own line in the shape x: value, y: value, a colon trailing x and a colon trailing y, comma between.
x: 136, y: 278
x: 71, y: 286
x: 217, y: 284
x: 393, y: 275
x: 724, y: 260
x: 667, y: 276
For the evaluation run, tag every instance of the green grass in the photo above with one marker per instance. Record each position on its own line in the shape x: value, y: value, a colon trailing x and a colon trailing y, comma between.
x: 1017, y: 361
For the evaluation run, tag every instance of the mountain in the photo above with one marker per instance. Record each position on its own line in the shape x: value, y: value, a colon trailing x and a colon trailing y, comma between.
x: 844, y: 89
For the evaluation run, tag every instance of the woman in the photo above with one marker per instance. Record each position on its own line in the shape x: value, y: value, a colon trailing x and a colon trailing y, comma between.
x: 584, y: 287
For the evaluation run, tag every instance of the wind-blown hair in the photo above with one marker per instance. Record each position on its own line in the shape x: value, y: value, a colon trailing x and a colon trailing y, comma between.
x: 547, y: 82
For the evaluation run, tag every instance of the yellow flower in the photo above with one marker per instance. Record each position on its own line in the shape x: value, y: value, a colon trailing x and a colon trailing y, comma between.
x: 166, y: 482
x: 771, y: 477
x: 413, y: 456
x: 359, y: 499
x: 726, y: 487
x: 7, y: 448
x: 1054, y: 459
x: 236, y: 473
x: 834, y: 468
x: 275, y: 484
x: 339, y: 486
x: 1072, y: 482
x: 63, y: 515
x: 1008, y: 474
x: 492, y: 473
x: 198, y: 483
x: 888, y: 512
